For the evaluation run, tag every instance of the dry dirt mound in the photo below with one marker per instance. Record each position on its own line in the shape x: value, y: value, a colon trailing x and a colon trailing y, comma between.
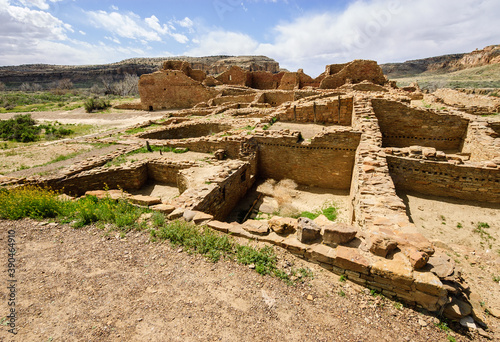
x: 76, y: 285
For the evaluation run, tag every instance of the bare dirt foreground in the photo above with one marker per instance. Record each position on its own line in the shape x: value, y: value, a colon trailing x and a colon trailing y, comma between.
x: 81, y: 285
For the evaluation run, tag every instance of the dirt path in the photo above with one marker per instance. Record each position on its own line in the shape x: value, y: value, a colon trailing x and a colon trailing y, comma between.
x: 80, y: 285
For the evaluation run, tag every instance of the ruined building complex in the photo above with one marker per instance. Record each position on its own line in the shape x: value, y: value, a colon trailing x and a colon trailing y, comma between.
x: 348, y: 130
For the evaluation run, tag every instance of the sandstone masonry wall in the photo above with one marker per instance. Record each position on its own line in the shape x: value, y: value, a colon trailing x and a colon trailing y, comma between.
x: 404, y: 126
x: 327, y: 161
x: 186, y: 130
x: 441, y: 178
x: 327, y: 111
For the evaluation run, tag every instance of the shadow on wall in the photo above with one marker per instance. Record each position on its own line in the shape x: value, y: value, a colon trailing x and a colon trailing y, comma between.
x: 403, y: 126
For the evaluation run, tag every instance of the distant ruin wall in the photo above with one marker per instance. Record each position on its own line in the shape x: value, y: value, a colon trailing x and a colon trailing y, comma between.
x: 337, y: 111
x: 326, y: 164
x: 444, y: 179
x: 403, y: 126
x: 172, y: 89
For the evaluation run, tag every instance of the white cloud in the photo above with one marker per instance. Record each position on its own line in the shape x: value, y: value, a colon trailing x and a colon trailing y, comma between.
x: 154, y: 23
x: 124, y: 25
x: 223, y: 43
x: 186, y: 22
x: 384, y: 30
x: 41, y: 4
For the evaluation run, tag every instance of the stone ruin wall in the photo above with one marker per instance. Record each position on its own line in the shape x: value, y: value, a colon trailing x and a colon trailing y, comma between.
x: 327, y: 161
x: 403, y: 126
x: 469, y: 103
x: 438, y: 178
x: 186, y: 130
x: 323, y: 111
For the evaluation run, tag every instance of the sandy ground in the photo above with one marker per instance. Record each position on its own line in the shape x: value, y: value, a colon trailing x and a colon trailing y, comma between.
x: 115, y: 119
x: 86, y: 285
x: 453, y: 224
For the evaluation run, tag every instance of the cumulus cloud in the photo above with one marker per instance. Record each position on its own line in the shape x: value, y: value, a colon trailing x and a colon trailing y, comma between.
x: 41, y: 4
x: 224, y: 43
x: 384, y: 30
x: 127, y: 25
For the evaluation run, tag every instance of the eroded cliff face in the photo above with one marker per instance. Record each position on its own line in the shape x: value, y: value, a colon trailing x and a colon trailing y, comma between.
x: 446, y: 63
x: 86, y: 75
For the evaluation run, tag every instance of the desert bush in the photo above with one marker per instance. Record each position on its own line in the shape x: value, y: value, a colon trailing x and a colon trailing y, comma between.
x: 33, y: 202
x: 93, y: 104
x: 2, y: 86
x: 20, y: 128
x: 30, y: 87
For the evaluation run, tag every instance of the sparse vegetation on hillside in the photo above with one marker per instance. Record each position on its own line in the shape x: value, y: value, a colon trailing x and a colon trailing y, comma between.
x: 481, y: 77
x: 38, y: 101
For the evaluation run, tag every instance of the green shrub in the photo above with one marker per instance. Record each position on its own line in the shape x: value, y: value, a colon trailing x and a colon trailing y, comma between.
x: 93, y: 104
x: 21, y: 128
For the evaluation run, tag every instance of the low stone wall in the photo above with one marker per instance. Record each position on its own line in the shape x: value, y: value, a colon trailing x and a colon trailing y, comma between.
x: 445, y: 179
x: 127, y: 177
x: 327, y: 161
x: 470, y: 103
x: 165, y: 171
x: 327, y: 111
x: 403, y: 126
x: 186, y: 130
x: 482, y: 140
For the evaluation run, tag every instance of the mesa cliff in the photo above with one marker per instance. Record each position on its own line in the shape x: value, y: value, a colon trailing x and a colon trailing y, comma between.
x: 444, y: 64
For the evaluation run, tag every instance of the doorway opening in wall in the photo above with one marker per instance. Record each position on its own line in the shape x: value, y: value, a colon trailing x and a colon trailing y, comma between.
x: 150, y: 108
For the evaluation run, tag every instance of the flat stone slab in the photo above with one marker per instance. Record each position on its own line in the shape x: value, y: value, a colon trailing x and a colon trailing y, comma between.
x: 350, y: 259
x: 163, y: 208
x: 201, y: 218
x: 324, y: 254
x: 219, y: 226
x: 144, y: 200
x: 429, y: 283
x: 177, y: 213
x: 257, y: 227
x: 441, y: 265
x: 396, y: 271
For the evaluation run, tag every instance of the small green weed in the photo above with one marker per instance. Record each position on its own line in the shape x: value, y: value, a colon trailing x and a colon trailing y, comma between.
x: 496, y: 279
x: 343, y: 278
x: 329, y: 210
x: 341, y: 293
x: 215, y: 246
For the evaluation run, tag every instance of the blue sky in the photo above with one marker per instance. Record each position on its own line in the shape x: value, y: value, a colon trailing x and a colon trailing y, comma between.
x: 298, y: 34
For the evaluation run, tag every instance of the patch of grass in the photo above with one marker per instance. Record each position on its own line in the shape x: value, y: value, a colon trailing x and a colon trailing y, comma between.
x: 329, y: 210
x: 442, y: 326
x: 215, y: 246
x: 343, y: 278
x: 459, y: 225
x: 398, y: 305
x: 375, y: 293
x: 40, y: 203
x: 496, y: 279
x: 341, y: 293
x: 63, y: 157
x: 141, y: 129
x: 485, y: 236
